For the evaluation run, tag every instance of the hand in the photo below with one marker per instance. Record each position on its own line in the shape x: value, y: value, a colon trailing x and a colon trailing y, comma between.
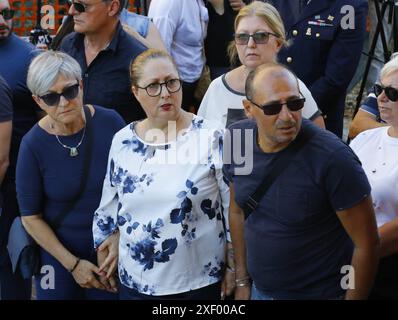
x: 228, y: 283
x: 108, y: 254
x: 85, y: 275
x: 236, y: 4
x: 243, y: 293
x: 109, y: 282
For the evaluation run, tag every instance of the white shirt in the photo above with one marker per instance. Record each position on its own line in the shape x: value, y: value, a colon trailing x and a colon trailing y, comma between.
x: 378, y: 153
x: 220, y: 98
x: 182, y: 25
x: 169, y: 214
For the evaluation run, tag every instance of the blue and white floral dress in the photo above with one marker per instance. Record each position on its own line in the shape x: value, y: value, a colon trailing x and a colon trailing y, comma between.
x: 170, y: 204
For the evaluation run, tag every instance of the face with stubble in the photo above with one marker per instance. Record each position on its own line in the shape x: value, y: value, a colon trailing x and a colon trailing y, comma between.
x: 5, y: 19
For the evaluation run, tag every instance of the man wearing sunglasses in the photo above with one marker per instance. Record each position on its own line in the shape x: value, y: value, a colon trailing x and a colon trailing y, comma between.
x: 326, y: 47
x: 307, y: 218
x: 104, y: 51
x: 15, y: 57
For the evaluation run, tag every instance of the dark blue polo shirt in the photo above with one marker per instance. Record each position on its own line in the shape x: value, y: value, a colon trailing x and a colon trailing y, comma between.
x: 5, y: 101
x: 106, y: 80
x: 295, y: 243
x: 15, y: 57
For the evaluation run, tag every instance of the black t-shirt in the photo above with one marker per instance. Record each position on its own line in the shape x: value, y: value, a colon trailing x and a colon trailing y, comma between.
x: 220, y: 32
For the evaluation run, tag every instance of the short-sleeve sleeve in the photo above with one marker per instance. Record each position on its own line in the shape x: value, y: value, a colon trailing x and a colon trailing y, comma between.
x: 28, y: 181
x: 346, y: 182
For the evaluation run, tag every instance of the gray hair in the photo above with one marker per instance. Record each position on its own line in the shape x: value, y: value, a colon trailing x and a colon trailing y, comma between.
x: 390, y: 67
x: 47, y: 67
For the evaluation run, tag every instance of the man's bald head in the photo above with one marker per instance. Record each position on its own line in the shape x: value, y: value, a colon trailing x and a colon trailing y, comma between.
x: 270, y: 73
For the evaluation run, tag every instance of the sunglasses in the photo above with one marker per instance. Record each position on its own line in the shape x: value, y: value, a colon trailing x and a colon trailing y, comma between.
x: 81, y: 7
x: 390, y: 92
x: 69, y: 93
x: 7, y: 13
x: 258, y: 37
x: 274, y: 108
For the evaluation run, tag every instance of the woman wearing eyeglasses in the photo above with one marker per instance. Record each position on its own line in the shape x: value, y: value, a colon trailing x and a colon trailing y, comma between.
x: 165, y: 193
x: 60, y: 170
x: 259, y: 34
x: 378, y: 151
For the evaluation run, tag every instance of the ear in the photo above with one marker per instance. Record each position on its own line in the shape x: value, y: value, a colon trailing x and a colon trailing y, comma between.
x: 114, y: 8
x: 134, y: 90
x: 38, y: 101
x: 247, y: 105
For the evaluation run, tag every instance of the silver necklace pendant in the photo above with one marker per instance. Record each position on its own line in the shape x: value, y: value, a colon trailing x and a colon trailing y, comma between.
x: 73, y: 152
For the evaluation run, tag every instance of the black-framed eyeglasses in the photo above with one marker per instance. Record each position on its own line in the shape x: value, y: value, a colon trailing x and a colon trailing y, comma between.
x: 7, y: 13
x: 274, y: 108
x: 260, y: 37
x: 154, y: 89
x: 390, y: 92
x: 69, y: 93
x: 82, y: 7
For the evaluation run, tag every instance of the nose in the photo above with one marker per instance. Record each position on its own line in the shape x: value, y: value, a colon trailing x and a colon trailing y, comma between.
x: 285, y: 113
x: 382, y: 97
x: 62, y: 101
x: 2, y: 20
x: 72, y: 11
x: 165, y: 92
x: 251, y: 43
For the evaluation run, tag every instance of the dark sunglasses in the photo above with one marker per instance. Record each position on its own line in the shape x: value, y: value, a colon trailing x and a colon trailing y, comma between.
x: 69, y: 93
x: 7, y: 13
x: 390, y: 92
x: 258, y: 37
x: 81, y: 7
x: 274, y: 108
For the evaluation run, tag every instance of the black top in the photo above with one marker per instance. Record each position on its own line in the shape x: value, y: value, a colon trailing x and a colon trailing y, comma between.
x: 106, y: 80
x: 219, y: 33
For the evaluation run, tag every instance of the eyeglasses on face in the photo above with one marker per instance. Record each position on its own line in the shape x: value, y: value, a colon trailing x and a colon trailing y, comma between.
x: 7, y: 13
x: 390, y: 92
x: 154, y: 89
x: 81, y: 7
x: 274, y: 108
x: 69, y: 93
x: 258, y: 37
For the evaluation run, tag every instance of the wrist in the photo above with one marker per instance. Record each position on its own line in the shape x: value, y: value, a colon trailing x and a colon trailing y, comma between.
x: 75, y: 265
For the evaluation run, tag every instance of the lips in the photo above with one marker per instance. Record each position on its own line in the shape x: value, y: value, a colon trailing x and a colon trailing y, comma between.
x: 166, y: 106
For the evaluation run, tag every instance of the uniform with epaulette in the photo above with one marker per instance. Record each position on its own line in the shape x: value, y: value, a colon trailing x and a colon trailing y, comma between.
x: 324, y: 50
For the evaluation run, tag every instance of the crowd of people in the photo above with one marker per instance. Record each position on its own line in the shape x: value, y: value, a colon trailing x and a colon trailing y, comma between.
x: 136, y: 183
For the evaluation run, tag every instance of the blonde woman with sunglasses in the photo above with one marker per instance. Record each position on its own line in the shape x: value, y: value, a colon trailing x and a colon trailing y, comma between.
x: 259, y: 35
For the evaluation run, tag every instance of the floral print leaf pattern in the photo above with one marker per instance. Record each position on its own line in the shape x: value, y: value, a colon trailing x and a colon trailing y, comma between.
x: 182, y: 194
x: 189, y: 184
x: 168, y: 248
x: 207, y: 209
x: 177, y: 216
x: 135, y: 225
x: 135, y: 145
x: 121, y: 221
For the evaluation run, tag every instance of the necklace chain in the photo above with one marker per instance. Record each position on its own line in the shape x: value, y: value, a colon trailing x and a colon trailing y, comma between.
x: 73, y: 150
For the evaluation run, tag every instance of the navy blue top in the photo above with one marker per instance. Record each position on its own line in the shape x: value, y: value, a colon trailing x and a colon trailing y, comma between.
x: 15, y: 57
x: 47, y: 177
x: 295, y: 243
x: 5, y: 101
x: 106, y: 80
